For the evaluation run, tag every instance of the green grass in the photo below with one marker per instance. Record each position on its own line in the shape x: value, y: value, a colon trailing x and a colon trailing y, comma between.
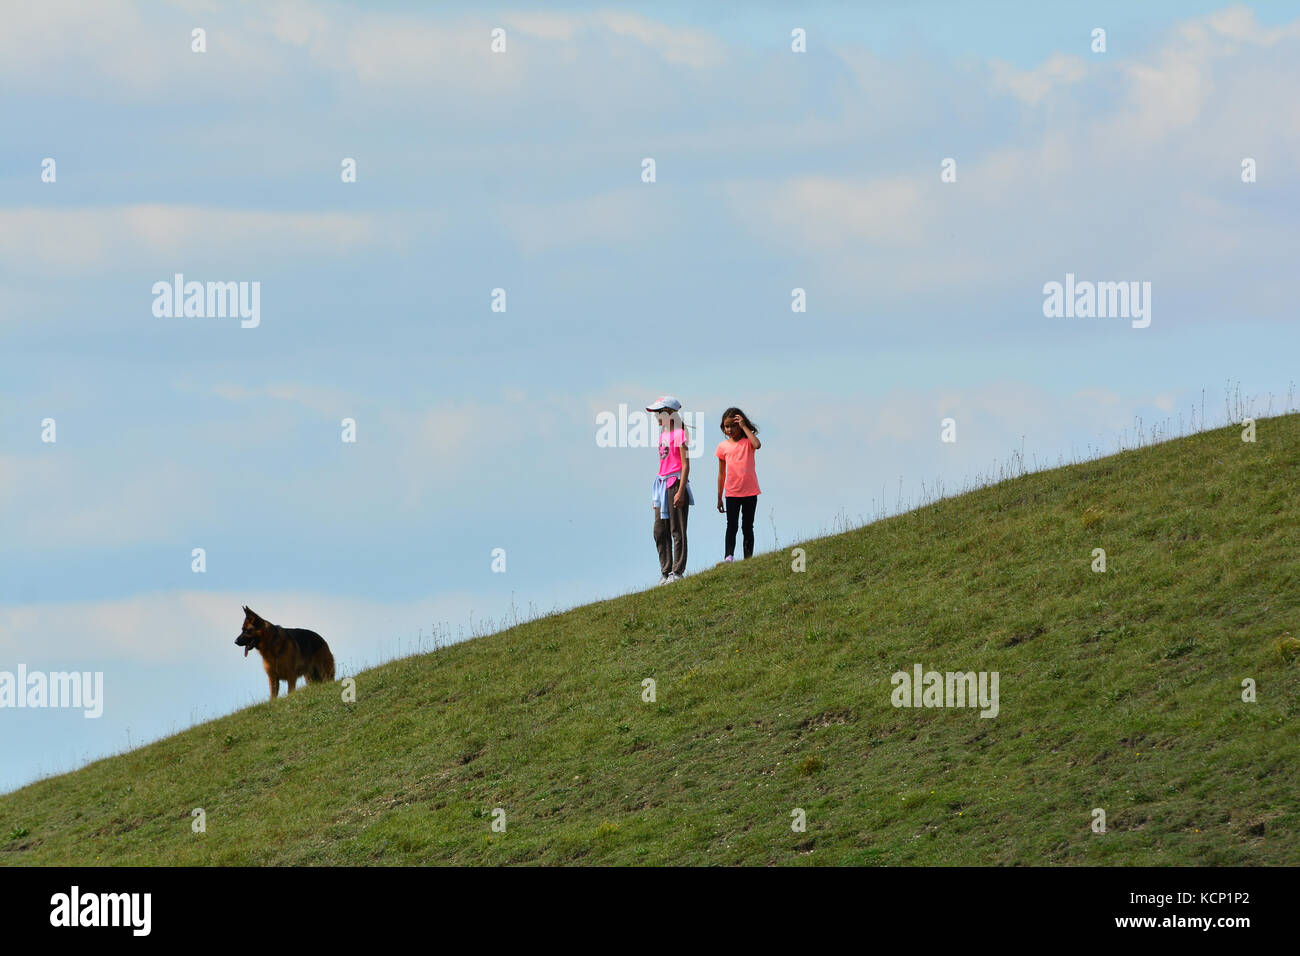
x: 1119, y: 690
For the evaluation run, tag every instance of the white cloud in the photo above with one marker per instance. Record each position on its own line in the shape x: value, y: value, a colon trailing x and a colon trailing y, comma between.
x: 694, y: 48
x: 87, y: 239
x: 408, y: 454
x: 626, y: 215
x: 416, y: 53
x: 1164, y: 148
x: 556, y: 27
x: 820, y: 212
x: 678, y: 45
x: 1207, y: 63
x: 1238, y: 24
x: 330, y: 402
x: 301, y: 24
x: 125, y: 51
x: 1033, y: 86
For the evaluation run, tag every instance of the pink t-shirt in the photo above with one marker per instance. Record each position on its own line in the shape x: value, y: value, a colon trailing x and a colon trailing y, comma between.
x: 670, y: 451
x: 741, y: 481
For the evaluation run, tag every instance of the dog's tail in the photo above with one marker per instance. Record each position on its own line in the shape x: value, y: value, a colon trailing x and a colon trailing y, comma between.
x: 321, y: 666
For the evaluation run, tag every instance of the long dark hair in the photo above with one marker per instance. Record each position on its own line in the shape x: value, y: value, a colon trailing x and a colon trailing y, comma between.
x: 733, y: 410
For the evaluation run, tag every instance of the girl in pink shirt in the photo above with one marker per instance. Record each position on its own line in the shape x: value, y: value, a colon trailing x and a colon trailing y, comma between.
x: 737, y: 479
x: 670, y: 495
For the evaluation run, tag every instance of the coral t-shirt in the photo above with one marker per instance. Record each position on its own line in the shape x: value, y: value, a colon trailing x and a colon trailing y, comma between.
x: 671, y: 444
x: 741, y: 481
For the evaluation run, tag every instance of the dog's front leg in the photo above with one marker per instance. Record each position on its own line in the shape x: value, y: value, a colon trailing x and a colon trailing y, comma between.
x: 275, y: 686
x: 291, y: 682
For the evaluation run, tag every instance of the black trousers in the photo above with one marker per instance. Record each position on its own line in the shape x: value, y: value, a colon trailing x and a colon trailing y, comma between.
x: 742, y: 509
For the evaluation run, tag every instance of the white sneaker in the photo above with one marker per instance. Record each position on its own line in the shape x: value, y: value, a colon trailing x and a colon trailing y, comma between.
x: 663, y: 580
x: 674, y: 577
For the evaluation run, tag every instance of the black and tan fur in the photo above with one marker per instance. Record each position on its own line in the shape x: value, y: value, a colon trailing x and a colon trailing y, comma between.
x: 287, y: 652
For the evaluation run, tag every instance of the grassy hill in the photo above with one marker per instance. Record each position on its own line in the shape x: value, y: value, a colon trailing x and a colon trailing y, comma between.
x: 1119, y: 690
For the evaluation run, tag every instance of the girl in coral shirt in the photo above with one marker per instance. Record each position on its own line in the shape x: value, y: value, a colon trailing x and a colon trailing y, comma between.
x: 737, y: 478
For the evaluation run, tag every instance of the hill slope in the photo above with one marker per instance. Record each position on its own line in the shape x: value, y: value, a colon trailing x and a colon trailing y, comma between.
x: 1118, y: 690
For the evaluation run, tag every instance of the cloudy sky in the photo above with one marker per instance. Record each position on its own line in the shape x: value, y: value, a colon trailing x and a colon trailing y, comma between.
x: 522, y: 170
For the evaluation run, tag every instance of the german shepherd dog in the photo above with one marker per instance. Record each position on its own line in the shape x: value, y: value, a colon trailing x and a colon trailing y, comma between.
x: 287, y: 652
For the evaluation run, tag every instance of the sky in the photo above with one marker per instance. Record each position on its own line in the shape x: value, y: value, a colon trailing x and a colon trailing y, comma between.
x: 522, y: 170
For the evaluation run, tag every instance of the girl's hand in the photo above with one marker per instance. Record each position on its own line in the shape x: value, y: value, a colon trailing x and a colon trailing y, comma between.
x: 678, y: 498
x: 721, y: 510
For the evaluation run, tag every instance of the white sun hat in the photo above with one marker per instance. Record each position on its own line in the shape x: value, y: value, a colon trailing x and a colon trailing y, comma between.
x: 664, y: 402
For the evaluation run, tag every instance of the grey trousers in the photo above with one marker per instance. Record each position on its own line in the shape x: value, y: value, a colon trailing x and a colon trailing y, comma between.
x: 670, y: 536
